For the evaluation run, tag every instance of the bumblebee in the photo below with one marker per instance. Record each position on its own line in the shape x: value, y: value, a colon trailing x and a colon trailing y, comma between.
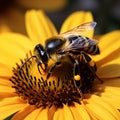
x: 71, y: 44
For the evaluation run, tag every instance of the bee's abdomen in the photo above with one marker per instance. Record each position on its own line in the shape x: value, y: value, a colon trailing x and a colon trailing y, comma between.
x: 90, y: 46
x: 92, y: 50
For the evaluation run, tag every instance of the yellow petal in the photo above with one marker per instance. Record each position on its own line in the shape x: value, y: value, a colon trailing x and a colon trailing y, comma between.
x: 33, y: 115
x: 5, y: 82
x: 112, y: 58
x: 59, y: 114
x: 42, y: 113
x: 6, y: 92
x: 102, y: 109
x: 109, y: 71
x: 8, y: 110
x: 51, y: 112
x: 10, y: 101
x: 39, y: 27
x: 6, y: 89
x: 115, y: 100
x: 76, y: 19
x: 13, y: 48
x: 114, y: 91
x: 109, y: 45
x: 23, y: 113
x: 6, y: 95
x: 79, y: 112
x: 108, y: 62
x: 110, y: 66
x: 112, y: 82
x: 67, y: 113
x: 111, y: 97
x: 109, y: 91
x: 19, y: 40
x: 5, y: 70
x: 111, y: 86
x: 63, y: 114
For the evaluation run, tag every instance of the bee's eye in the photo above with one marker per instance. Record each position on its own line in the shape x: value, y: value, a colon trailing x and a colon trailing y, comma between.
x: 53, y: 44
x: 41, y: 53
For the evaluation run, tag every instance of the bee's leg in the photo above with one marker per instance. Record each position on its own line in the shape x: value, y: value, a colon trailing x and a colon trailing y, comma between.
x: 41, y: 68
x: 78, y: 89
x: 76, y: 75
x: 38, y: 66
x: 52, y: 69
x: 76, y: 71
x: 91, y: 64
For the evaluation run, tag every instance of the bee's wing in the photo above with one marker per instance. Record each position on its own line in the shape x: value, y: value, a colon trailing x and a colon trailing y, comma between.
x: 79, y: 30
x: 79, y: 44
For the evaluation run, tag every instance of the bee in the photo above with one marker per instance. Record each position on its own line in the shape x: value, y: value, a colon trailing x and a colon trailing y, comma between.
x: 71, y: 44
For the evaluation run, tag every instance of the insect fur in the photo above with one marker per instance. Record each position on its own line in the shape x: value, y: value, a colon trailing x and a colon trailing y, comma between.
x: 71, y: 44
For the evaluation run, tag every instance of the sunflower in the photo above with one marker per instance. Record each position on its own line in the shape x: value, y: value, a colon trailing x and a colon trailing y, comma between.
x: 27, y: 94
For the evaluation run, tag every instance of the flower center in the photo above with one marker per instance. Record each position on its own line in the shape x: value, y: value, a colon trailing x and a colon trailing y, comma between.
x: 59, y: 89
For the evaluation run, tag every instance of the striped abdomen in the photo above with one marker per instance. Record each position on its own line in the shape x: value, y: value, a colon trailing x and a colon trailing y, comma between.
x: 89, y: 47
x: 75, y: 44
x: 81, y: 43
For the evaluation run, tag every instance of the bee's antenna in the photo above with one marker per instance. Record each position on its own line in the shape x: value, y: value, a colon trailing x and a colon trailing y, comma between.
x: 28, y: 59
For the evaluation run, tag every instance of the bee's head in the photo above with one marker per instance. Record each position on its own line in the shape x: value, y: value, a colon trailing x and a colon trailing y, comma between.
x: 41, y: 55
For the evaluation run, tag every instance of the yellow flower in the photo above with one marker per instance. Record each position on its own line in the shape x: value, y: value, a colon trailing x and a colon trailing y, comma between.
x: 23, y: 92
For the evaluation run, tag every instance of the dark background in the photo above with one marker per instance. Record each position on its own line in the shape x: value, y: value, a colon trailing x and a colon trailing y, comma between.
x: 106, y: 12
